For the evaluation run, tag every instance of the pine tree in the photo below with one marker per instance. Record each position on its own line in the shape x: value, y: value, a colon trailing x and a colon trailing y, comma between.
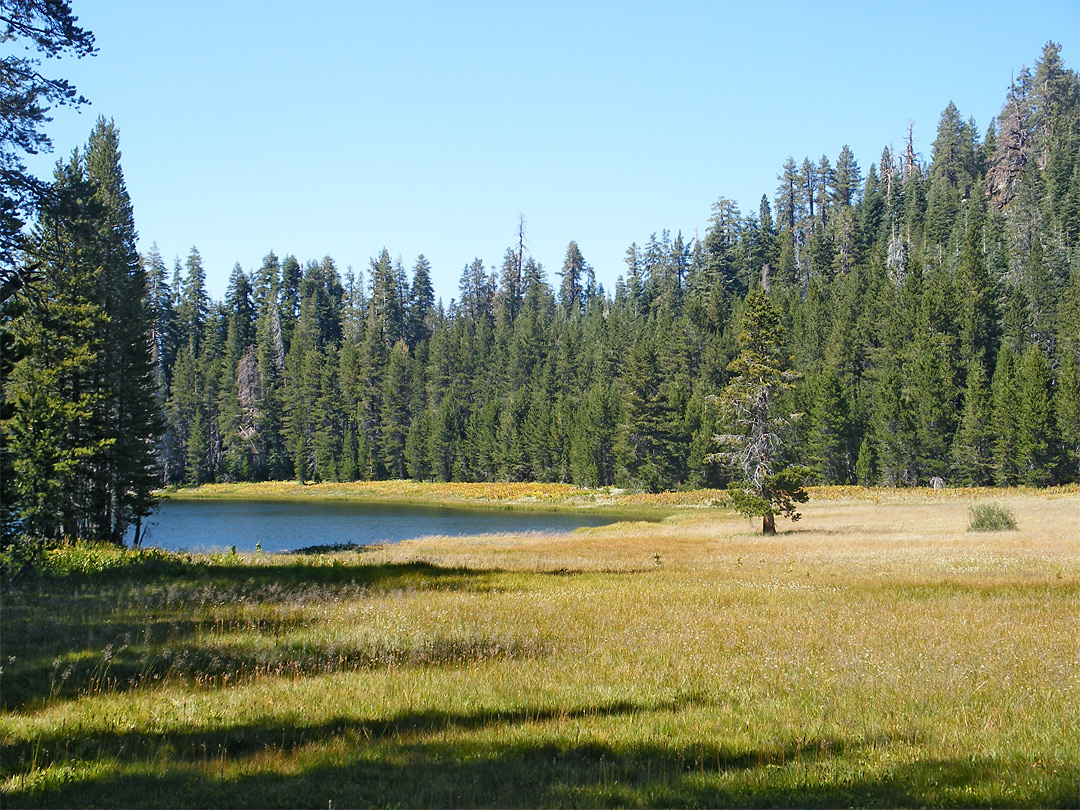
x: 894, y: 418
x: 1006, y: 420
x: 1036, y: 435
x: 238, y: 385
x: 387, y: 303
x: 573, y: 274
x: 846, y: 179
x: 394, y: 416
x: 289, y: 296
x: 271, y: 458
x: 979, y: 318
x: 592, y: 453
x: 445, y: 438
x: 931, y: 377
x: 51, y: 439
x: 421, y: 302
x: 194, y: 303
x: 828, y: 434
x: 130, y: 409
x: 480, y: 449
x: 726, y: 275
x: 327, y: 426
x: 972, y: 448
x: 754, y: 447
x: 163, y: 327
x: 954, y: 157
x: 417, y: 456
x: 1067, y: 412
x: 652, y: 448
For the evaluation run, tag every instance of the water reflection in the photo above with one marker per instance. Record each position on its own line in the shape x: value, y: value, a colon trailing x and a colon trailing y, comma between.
x: 290, y: 525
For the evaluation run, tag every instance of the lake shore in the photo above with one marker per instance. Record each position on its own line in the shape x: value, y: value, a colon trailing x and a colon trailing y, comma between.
x: 526, y: 495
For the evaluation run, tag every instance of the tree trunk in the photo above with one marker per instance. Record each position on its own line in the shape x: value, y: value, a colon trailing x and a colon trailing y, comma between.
x: 768, y: 524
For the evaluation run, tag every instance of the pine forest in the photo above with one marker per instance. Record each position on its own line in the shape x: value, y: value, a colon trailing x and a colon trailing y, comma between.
x: 930, y: 303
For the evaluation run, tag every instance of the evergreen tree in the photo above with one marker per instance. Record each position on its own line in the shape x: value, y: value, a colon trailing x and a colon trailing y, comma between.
x: 163, y: 327
x: 1036, y: 435
x: 972, y: 449
x: 574, y: 275
x: 726, y: 274
x: 1006, y: 420
x: 652, y: 444
x: 1067, y: 411
x: 238, y: 385
x: 421, y: 302
x: 846, y: 179
x: 327, y: 425
x: 289, y: 296
x: 754, y: 447
x: 51, y: 440
x: 387, y: 305
x: 81, y: 414
x: 828, y: 434
x: 194, y: 303
x: 394, y: 415
x: 979, y: 318
x: 270, y: 456
x: 592, y: 455
x: 931, y: 378
x: 130, y: 409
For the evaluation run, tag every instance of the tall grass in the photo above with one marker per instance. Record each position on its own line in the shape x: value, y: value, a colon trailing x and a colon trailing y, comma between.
x: 880, y: 654
x: 990, y: 517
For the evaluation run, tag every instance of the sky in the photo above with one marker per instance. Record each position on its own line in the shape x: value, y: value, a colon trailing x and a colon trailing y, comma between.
x: 342, y: 128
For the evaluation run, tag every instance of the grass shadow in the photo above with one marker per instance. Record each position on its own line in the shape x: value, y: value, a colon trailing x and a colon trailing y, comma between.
x: 119, y: 628
x: 432, y: 759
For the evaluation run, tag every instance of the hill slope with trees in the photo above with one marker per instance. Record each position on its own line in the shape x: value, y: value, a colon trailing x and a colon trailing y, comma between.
x: 931, y: 308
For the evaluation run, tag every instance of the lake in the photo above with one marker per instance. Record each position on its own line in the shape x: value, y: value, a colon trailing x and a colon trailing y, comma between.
x: 216, y: 525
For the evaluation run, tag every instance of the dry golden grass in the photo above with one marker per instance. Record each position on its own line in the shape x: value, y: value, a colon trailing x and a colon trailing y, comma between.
x: 911, y: 537
x: 520, y: 494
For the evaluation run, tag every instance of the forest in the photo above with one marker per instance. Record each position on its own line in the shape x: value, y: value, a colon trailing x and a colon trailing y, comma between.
x: 931, y: 306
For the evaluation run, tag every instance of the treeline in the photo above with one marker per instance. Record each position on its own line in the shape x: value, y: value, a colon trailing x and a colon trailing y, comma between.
x: 933, y: 309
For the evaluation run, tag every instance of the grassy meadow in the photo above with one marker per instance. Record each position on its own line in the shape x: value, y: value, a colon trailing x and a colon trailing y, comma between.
x: 876, y: 653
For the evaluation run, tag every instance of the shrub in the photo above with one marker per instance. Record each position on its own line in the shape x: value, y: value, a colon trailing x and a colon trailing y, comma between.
x: 990, y: 517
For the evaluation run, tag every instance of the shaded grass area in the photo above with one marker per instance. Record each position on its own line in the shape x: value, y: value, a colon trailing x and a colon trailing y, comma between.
x: 415, y: 759
x: 118, y: 627
x: 827, y: 667
x: 402, y: 763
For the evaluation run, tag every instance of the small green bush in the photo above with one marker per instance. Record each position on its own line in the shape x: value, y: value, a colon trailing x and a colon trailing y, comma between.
x: 990, y: 517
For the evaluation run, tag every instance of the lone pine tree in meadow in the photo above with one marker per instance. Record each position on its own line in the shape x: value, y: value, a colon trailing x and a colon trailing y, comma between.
x: 765, y: 484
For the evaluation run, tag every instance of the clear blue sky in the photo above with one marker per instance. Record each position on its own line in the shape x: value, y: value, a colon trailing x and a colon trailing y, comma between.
x: 341, y: 128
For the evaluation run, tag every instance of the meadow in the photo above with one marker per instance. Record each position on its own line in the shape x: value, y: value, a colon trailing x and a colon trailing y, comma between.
x: 876, y: 653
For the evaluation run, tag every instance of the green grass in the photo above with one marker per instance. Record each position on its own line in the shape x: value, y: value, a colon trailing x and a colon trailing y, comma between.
x: 877, y: 655
x: 990, y: 517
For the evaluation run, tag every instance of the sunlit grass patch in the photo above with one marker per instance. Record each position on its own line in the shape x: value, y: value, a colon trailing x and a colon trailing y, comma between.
x: 401, y: 490
x: 873, y: 654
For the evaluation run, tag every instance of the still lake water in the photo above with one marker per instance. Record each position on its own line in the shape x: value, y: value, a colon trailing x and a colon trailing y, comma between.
x: 289, y: 525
